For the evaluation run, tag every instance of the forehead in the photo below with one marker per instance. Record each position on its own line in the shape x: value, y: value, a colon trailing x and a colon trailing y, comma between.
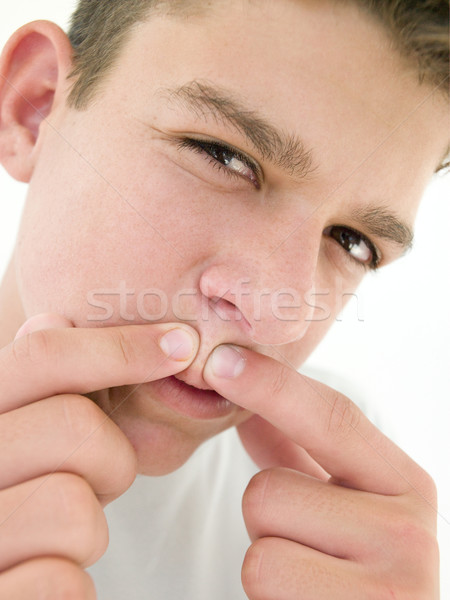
x: 322, y: 71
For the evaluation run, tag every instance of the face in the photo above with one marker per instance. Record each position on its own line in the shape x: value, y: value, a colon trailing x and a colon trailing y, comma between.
x: 240, y: 171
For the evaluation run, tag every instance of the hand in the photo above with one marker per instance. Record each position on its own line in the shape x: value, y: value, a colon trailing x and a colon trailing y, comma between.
x: 61, y: 458
x: 368, y: 532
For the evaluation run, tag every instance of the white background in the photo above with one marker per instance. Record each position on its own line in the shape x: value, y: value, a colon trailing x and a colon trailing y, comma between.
x: 390, y: 352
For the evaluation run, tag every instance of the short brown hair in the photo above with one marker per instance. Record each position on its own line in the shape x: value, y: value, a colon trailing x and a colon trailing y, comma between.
x: 419, y: 30
x: 98, y: 30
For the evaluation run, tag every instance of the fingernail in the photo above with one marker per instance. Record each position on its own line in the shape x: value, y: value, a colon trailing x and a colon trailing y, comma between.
x: 177, y: 344
x: 227, y: 361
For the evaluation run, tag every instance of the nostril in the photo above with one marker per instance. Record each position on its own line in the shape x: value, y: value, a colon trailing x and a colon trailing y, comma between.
x: 219, y: 300
x: 227, y: 311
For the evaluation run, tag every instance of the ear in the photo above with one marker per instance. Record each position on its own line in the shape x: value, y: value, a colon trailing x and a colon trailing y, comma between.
x: 33, y: 81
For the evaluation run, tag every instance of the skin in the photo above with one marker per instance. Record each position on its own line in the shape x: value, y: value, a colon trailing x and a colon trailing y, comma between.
x: 124, y: 202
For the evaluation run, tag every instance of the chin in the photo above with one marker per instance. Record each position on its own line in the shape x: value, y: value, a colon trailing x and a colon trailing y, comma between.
x: 167, y: 420
x: 160, y: 447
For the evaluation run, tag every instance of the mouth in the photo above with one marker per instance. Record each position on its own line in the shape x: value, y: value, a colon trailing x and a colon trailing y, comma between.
x: 191, y: 401
x: 200, y: 387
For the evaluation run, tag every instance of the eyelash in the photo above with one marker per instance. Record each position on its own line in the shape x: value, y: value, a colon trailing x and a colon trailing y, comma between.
x: 209, y: 149
x: 343, y: 229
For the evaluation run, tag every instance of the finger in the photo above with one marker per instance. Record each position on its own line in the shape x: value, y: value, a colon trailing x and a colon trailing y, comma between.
x: 279, y: 569
x: 71, y: 360
x: 57, y: 515
x: 269, y: 447
x: 328, y: 425
x: 338, y: 521
x: 66, y: 433
x: 43, y: 321
x: 49, y: 578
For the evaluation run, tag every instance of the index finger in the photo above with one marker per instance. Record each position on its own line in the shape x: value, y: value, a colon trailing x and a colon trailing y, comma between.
x: 329, y: 426
x: 76, y: 360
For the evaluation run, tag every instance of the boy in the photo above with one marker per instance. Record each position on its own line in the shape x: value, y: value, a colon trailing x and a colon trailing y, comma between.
x: 196, y: 173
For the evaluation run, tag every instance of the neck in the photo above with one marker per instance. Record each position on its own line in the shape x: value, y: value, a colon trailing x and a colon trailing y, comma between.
x: 11, y: 311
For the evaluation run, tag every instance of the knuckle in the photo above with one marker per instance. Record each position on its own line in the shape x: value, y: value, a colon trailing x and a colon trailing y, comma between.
x: 62, y: 579
x: 411, y: 536
x: 343, y: 416
x: 94, y: 436
x: 254, y: 496
x: 280, y: 380
x: 121, y: 476
x: 380, y: 590
x: 429, y: 485
x: 412, y: 573
x: 425, y: 484
x: 125, y: 347
x: 125, y: 470
x: 82, y: 417
x: 35, y: 348
x: 84, y: 523
x: 261, y: 501
x: 254, y: 573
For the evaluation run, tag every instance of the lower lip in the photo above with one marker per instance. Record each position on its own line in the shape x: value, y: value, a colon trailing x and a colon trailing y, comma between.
x: 191, y: 402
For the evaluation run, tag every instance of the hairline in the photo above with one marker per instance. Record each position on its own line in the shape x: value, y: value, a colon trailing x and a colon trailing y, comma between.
x: 192, y: 8
x: 81, y: 100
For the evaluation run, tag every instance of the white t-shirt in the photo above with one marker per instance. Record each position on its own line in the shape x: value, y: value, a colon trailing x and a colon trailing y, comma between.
x: 181, y: 536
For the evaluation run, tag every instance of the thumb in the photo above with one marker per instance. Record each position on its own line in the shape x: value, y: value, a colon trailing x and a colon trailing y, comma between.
x: 268, y: 447
x: 43, y: 321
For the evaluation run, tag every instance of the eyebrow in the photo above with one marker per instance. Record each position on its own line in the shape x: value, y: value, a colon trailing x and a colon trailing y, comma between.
x: 381, y: 222
x: 285, y: 151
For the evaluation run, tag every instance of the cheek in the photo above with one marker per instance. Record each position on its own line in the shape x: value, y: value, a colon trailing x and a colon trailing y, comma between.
x: 141, y: 225
x: 80, y: 235
x: 296, y: 353
x: 327, y: 302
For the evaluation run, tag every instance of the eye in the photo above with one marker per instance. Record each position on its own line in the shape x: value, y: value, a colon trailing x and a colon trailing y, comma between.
x: 357, y: 245
x: 225, y: 158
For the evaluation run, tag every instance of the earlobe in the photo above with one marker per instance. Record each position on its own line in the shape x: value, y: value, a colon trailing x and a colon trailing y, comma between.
x: 33, y: 80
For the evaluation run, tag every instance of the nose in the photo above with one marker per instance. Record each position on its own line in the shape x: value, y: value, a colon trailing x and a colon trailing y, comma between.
x: 252, y: 297
x: 269, y: 298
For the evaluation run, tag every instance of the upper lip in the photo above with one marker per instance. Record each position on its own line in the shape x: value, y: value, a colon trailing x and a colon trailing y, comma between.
x: 199, y: 383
